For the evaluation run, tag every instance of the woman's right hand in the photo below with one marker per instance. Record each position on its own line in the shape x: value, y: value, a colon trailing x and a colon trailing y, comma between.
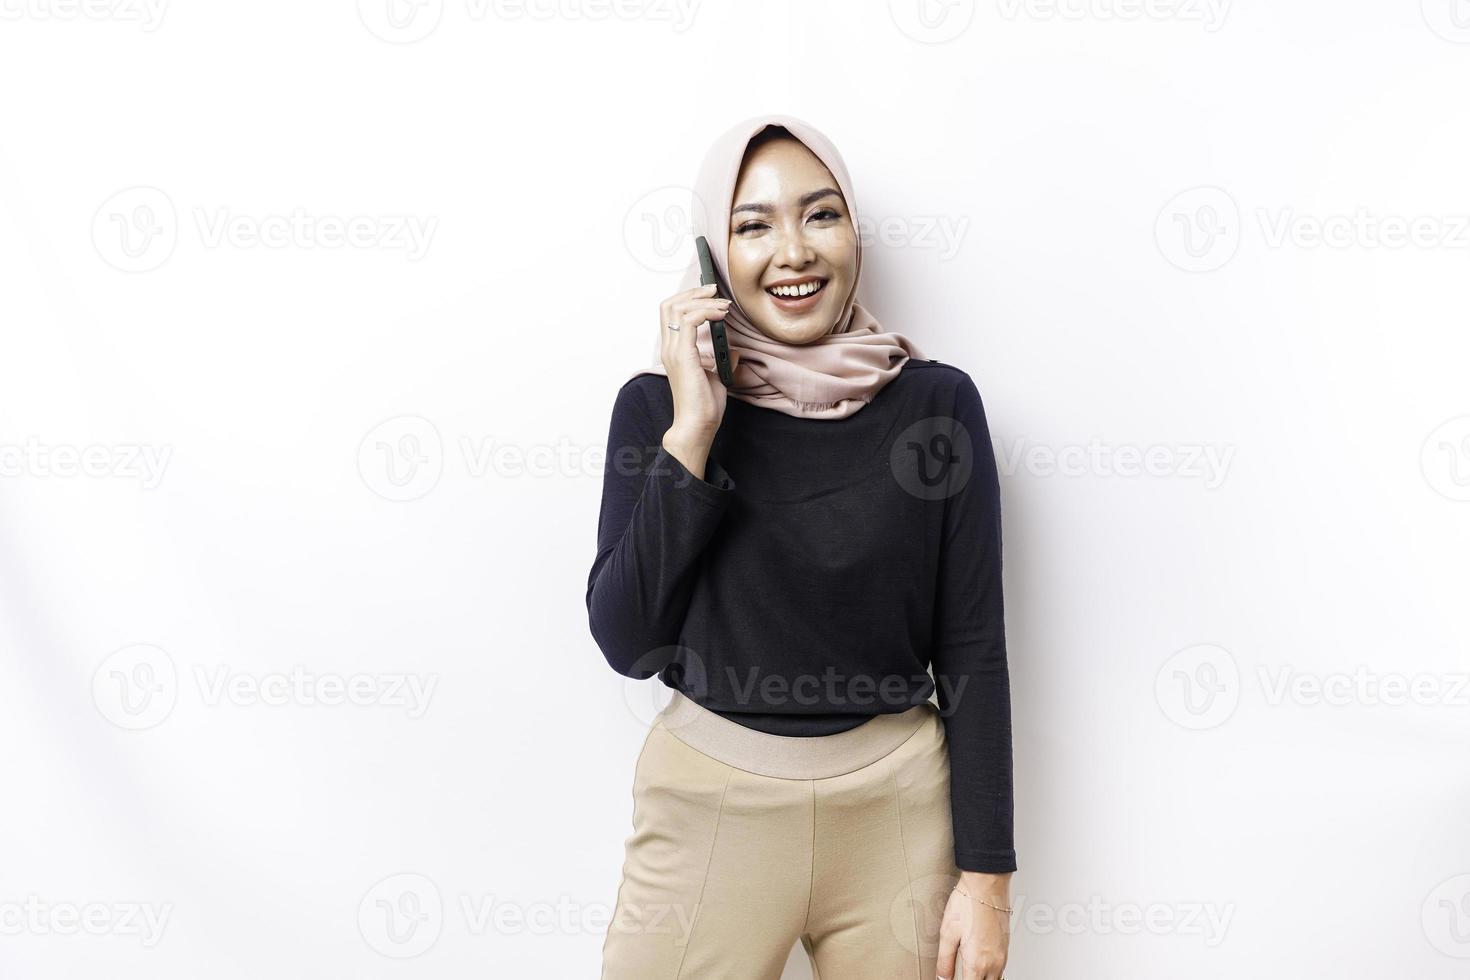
x: 699, y: 395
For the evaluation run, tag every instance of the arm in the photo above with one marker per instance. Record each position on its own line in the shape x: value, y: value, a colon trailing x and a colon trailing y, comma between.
x: 969, y: 656
x: 662, y: 500
x: 970, y: 650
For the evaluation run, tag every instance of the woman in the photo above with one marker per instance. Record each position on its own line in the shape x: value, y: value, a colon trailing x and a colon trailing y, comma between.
x: 792, y: 555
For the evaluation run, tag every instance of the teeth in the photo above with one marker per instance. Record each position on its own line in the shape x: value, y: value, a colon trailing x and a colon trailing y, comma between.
x: 793, y: 292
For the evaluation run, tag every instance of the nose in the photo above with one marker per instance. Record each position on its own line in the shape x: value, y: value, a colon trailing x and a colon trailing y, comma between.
x: 794, y: 251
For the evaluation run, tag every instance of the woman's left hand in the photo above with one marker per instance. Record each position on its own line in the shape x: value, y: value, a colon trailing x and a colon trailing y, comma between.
x: 980, y: 934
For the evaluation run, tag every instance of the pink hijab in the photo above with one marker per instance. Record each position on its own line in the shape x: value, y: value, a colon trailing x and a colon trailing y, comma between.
x: 831, y: 377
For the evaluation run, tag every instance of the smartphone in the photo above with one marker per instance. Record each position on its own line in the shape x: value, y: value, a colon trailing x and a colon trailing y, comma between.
x: 707, y: 275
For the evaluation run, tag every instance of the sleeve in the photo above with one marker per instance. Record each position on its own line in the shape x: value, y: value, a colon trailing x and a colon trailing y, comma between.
x: 969, y: 654
x: 655, y: 521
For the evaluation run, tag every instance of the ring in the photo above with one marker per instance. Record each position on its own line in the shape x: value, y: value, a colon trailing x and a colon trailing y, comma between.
x: 672, y: 326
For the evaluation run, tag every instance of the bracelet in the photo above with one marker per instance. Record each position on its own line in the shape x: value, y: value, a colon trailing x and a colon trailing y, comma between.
x: 982, y: 901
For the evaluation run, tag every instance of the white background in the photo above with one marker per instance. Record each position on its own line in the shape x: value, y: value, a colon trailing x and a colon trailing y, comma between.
x: 378, y: 462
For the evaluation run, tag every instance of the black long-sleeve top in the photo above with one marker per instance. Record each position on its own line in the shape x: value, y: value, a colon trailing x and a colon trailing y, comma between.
x: 818, y: 572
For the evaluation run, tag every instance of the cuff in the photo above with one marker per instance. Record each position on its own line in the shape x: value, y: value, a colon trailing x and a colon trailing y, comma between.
x: 985, y: 862
x: 716, y: 489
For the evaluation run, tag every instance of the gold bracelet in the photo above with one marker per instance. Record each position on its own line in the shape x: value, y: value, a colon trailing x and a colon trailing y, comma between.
x: 982, y: 901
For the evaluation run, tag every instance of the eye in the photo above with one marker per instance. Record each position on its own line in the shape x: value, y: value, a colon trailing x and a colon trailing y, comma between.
x: 821, y: 214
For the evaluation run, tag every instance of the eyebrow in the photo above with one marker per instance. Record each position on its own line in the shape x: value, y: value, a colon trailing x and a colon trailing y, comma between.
x: 805, y: 200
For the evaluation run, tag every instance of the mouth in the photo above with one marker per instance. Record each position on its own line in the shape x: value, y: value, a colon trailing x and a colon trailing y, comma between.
x: 797, y: 295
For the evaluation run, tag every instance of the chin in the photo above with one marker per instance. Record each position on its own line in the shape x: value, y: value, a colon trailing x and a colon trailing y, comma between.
x: 795, y: 333
x: 812, y: 327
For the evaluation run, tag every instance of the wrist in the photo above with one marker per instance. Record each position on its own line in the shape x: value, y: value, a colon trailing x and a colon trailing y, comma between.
x: 691, y: 449
x: 992, y: 886
x: 690, y: 434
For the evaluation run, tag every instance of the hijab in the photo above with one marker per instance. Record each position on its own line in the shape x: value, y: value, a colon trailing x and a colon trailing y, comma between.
x: 831, y: 377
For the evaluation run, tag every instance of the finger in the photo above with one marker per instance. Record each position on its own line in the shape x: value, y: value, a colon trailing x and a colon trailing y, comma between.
x: 681, y: 346
x: 665, y: 317
x: 711, y: 303
x: 697, y: 294
x: 687, y: 300
x: 691, y: 317
x: 687, y: 310
x: 948, y: 944
x: 675, y: 311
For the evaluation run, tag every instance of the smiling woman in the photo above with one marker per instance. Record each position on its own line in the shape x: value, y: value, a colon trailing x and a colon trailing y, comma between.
x: 801, y: 785
x: 793, y: 250
x: 777, y: 211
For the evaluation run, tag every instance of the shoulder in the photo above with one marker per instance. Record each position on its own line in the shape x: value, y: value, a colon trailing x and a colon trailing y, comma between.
x: 644, y: 397
x: 941, y: 383
x: 935, y: 372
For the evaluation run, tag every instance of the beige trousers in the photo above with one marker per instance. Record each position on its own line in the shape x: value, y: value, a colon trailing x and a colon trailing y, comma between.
x: 745, y: 842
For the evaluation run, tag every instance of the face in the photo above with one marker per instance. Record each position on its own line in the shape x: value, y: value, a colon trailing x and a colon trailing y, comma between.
x: 790, y: 227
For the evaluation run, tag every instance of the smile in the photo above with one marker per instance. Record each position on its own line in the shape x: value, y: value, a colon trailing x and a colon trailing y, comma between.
x: 798, y: 290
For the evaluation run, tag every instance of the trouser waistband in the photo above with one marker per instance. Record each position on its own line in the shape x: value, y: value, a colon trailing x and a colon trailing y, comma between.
x: 786, y: 756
